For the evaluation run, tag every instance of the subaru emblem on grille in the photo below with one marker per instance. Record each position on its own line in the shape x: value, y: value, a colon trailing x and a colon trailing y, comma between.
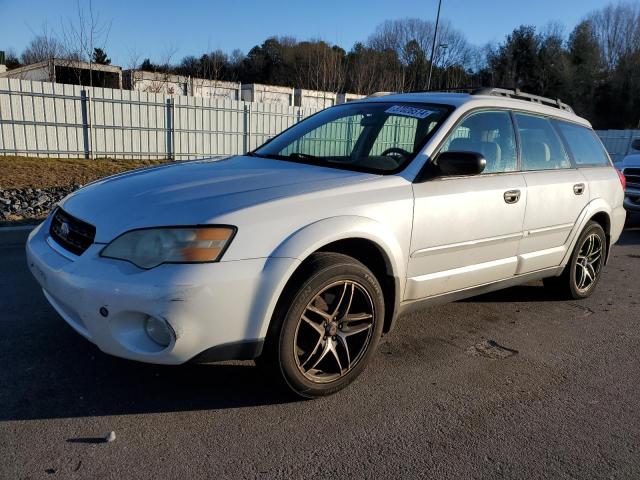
x: 64, y: 229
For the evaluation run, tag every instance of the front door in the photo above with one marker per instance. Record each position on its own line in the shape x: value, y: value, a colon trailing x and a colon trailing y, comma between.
x: 467, y: 230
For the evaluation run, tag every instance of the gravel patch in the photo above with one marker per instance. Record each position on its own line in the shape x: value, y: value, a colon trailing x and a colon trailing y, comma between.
x: 30, y: 203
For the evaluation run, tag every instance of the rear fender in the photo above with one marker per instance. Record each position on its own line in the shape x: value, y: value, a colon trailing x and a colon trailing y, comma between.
x: 593, y: 207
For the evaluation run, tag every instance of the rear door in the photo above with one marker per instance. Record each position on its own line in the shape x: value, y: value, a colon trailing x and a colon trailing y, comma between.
x: 467, y: 230
x: 557, y: 193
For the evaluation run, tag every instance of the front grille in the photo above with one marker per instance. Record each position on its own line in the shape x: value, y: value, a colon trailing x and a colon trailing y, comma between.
x: 633, y: 176
x: 71, y: 233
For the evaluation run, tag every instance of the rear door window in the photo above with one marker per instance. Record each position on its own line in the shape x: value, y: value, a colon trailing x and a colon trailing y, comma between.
x: 584, y: 145
x: 540, y: 146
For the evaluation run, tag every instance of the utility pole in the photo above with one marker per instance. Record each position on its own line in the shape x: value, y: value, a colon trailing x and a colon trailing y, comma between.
x: 433, y: 45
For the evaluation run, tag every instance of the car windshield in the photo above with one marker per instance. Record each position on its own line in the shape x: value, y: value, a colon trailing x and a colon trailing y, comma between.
x: 377, y: 137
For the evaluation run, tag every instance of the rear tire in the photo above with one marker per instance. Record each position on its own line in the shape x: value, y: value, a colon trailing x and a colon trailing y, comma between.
x: 582, y: 273
x: 326, y: 326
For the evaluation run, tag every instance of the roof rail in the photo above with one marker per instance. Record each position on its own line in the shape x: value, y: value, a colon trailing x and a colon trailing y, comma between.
x: 516, y: 94
x: 519, y: 95
x: 447, y: 90
x: 380, y: 94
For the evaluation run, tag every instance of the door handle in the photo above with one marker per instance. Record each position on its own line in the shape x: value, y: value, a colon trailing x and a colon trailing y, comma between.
x: 578, y: 188
x: 512, y: 196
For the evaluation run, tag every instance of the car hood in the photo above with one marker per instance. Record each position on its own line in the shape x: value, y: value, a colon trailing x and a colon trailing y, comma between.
x: 194, y: 192
x: 630, y: 161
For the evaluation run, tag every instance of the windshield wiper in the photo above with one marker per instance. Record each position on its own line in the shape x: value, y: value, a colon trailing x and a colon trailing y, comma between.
x: 262, y: 155
x: 303, y: 156
x: 294, y: 155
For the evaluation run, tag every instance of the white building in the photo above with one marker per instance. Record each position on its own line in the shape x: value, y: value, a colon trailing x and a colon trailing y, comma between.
x: 255, y: 92
x: 156, y: 82
x: 71, y: 72
x: 349, y: 97
x: 314, y: 98
x: 201, y: 87
x: 170, y: 84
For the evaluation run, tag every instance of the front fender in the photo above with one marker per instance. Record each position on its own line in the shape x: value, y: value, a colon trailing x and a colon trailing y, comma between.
x: 308, y: 239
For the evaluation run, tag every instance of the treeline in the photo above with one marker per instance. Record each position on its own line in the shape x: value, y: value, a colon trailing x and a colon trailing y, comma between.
x: 595, y: 67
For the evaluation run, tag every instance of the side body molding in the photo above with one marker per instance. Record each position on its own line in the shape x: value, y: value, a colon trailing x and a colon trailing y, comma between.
x: 303, y: 242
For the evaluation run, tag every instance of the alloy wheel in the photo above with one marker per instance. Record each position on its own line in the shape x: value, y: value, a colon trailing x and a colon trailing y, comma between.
x: 588, y: 262
x: 334, y: 331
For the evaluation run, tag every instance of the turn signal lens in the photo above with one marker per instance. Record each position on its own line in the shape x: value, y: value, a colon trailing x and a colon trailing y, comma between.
x: 207, y: 245
x: 148, y: 248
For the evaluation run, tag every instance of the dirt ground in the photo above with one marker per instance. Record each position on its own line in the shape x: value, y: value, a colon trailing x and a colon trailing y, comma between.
x: 31, y: 172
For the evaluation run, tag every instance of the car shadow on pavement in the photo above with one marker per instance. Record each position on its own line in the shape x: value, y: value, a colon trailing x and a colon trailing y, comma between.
x: 533, y: 292
x: 75, y: 379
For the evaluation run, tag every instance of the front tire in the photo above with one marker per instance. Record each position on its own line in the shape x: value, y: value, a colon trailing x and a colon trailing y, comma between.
x: 326, y: 327
x: 581, y: 275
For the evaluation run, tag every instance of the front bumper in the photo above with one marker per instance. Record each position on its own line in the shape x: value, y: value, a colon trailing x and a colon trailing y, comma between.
x: 206, y: 305
x: 632, y: 199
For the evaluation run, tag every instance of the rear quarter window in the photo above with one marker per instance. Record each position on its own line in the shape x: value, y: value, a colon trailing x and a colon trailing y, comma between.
x: 584, y: 144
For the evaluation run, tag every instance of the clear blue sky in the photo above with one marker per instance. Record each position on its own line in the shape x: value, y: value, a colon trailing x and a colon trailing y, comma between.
x: 150, y: 28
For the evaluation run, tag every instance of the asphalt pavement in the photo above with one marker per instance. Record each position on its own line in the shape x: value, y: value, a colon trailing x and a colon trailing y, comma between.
x: 513, y: 384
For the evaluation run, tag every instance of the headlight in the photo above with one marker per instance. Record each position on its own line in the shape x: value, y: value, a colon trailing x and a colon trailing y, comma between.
x: 150, y: 247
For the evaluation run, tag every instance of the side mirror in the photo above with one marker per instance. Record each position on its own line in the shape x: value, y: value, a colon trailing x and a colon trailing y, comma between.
x: 461, y: 163
x: 636, y: 144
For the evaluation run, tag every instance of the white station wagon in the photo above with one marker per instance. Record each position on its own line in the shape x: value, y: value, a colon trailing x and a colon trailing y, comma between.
x: 302, y: 253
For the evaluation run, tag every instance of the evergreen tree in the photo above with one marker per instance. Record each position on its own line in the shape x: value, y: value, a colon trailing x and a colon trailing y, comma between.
x: 99, y: 56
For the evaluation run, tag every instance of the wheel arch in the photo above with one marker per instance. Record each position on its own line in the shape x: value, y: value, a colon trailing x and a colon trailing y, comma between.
x: 362, y: 238
x: 604, y: 220
x: 370, y: 254
x: 599, y: 211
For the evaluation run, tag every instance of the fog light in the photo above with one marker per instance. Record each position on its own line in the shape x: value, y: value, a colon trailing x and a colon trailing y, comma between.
x: 158, y: 331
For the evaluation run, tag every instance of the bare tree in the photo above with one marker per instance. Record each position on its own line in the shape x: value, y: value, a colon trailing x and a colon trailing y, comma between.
x: 45, y: 46
x: 82, y: 35
x: 210, y: 71
x: 395, y: 34
x: 134, y: 57
x: 319, y: 66
x: 553, y: 62
x: 361, y: 70
x: 617, y: 27
x: 457, y: 52
x: 236, y: 59
x: 407, y: 36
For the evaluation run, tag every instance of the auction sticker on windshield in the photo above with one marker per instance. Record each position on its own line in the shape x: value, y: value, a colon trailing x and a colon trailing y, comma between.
x: 408, y: 111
